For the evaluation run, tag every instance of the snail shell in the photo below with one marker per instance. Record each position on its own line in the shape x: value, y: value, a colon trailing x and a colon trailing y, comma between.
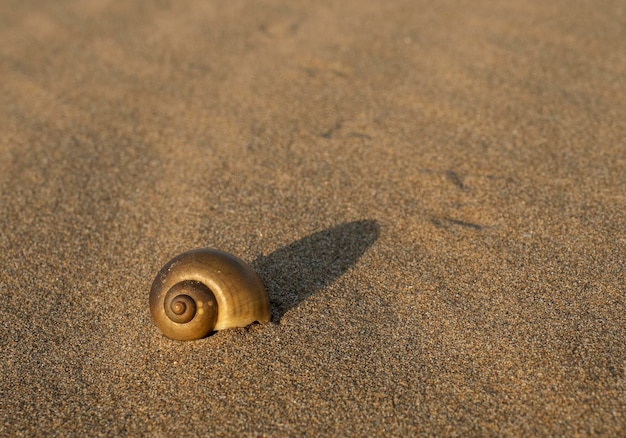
x: 203, y: 290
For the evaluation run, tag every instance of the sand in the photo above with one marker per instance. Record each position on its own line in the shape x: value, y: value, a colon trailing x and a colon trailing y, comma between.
x: 432, y: 192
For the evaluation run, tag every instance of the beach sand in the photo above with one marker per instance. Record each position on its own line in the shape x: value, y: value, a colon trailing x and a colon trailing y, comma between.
x: 432, y: 192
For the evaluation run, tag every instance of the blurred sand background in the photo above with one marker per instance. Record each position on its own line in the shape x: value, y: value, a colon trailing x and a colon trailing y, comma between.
x: 432, y: 191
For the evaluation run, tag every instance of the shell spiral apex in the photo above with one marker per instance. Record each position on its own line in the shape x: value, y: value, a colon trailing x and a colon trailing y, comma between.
x: 204, y: 290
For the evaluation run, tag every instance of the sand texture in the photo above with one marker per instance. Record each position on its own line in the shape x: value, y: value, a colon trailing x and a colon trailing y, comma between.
x: 433, y: 192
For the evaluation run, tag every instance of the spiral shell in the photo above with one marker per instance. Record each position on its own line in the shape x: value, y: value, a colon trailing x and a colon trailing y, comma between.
x: 203, y: 290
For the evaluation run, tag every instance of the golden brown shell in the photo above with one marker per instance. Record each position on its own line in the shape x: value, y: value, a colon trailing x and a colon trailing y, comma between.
x: 203, y: 290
